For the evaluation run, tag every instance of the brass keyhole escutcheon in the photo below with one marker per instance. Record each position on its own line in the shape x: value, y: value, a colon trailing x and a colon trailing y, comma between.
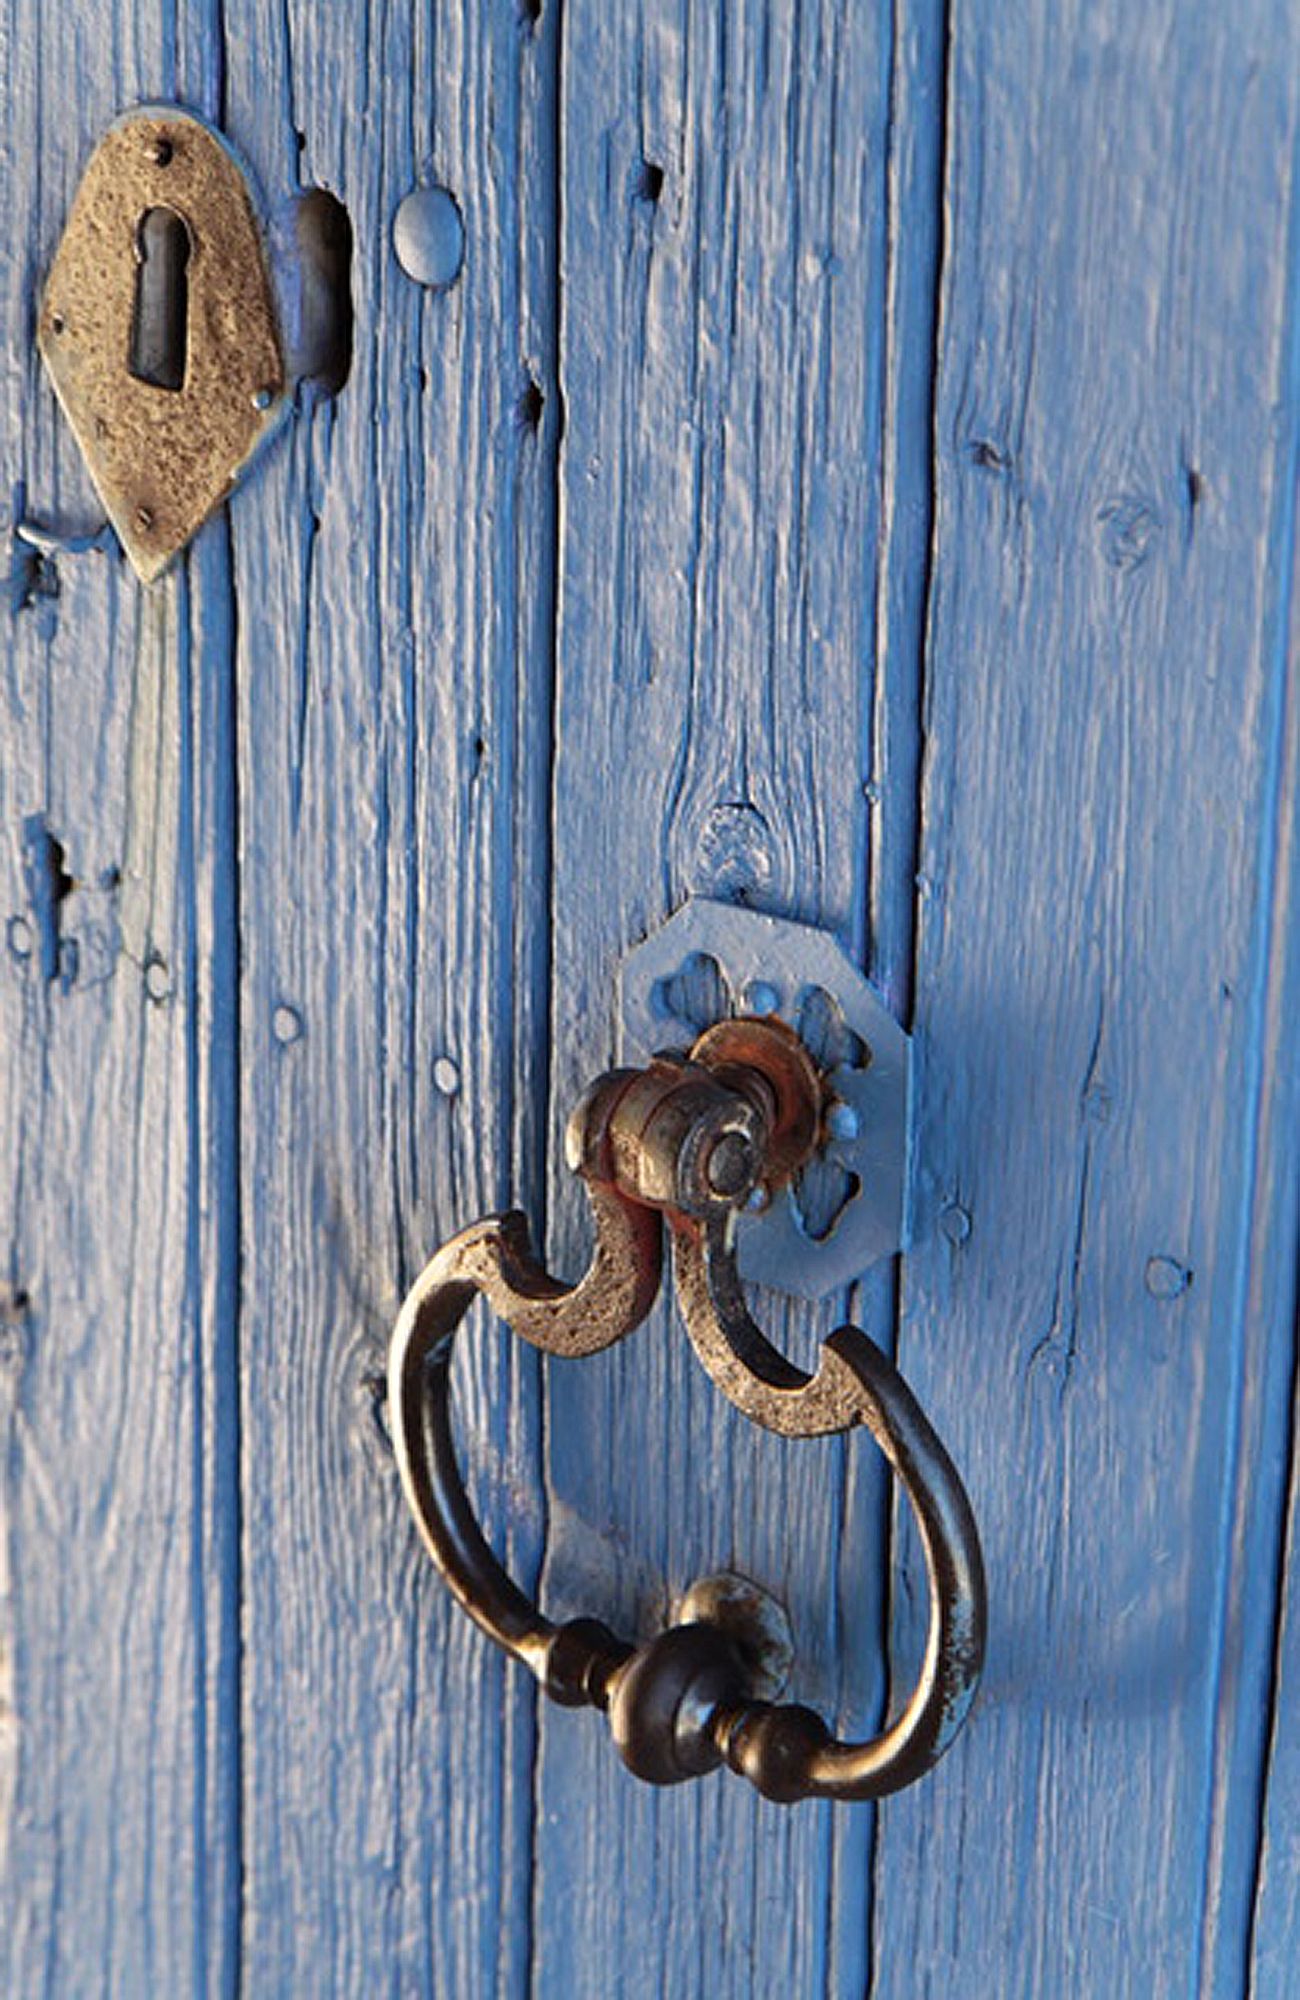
x: 159, y: 328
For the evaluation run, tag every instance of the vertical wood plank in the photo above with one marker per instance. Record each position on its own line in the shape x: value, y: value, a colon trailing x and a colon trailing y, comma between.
x: 394, y: 568
x: 723, y: 301
x: 117, y: 1772
x: 1103, y: 707
x: 1269, y: 1960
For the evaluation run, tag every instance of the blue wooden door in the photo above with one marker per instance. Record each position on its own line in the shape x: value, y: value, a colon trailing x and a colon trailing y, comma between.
x: 853, y: 475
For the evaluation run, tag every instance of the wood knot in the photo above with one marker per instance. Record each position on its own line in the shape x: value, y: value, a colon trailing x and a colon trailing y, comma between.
x: 1128, y: 527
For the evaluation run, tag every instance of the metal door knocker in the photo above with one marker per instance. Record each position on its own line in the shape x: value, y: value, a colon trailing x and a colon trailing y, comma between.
x: 694, y: 1140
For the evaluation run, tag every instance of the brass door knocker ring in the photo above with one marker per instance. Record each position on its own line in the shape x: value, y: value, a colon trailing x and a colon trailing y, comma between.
x: 687, y: 1141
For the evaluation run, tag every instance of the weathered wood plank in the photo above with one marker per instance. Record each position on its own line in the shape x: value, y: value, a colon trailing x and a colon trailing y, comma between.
x: 1112, y: 437
x: 723, y: 306
x: 119, y: 1840
x: 394, y: 566
x: 1273, y: 1275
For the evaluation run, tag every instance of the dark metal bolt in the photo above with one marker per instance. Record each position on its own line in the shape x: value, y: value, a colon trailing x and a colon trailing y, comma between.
x: 663, y: 1701
x: 731, y: 1165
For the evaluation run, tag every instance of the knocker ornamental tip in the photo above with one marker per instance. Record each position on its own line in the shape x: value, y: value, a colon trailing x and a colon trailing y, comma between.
x: 687, y: 1141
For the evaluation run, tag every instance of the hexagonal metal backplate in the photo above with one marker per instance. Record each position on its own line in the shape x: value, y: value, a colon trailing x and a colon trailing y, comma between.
x: 848, y: 1208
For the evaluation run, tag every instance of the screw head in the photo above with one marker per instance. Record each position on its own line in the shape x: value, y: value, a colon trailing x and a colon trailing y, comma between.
x: 762, y: 998
x: 955, y: 1223
x: 429, y: 237
x: 842, y: 1122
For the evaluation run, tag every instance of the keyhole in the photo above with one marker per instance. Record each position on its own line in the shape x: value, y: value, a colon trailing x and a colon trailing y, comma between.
x: 159, y: 327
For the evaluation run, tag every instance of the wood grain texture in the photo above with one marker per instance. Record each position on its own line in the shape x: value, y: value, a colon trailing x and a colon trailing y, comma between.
x: 649, y: 559
x: 1109, y: 1352
x: 724, y: 285
x: 393, y: 570
x: 117, y: 1628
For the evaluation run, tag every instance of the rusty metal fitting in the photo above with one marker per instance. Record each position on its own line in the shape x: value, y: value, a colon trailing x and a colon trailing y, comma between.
x: 698, y: 1132
x: 679, y: 1138
x: 764, y: 1056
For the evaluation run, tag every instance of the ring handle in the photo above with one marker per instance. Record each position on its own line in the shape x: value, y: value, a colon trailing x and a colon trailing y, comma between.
x: 681, y: 1704
x: 495, y: 1257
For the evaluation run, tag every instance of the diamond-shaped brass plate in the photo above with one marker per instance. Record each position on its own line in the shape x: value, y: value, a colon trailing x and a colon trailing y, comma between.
x: 163, y: 459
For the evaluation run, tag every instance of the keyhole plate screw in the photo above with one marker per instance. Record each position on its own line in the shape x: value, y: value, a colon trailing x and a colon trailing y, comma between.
x: 163, y: 457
